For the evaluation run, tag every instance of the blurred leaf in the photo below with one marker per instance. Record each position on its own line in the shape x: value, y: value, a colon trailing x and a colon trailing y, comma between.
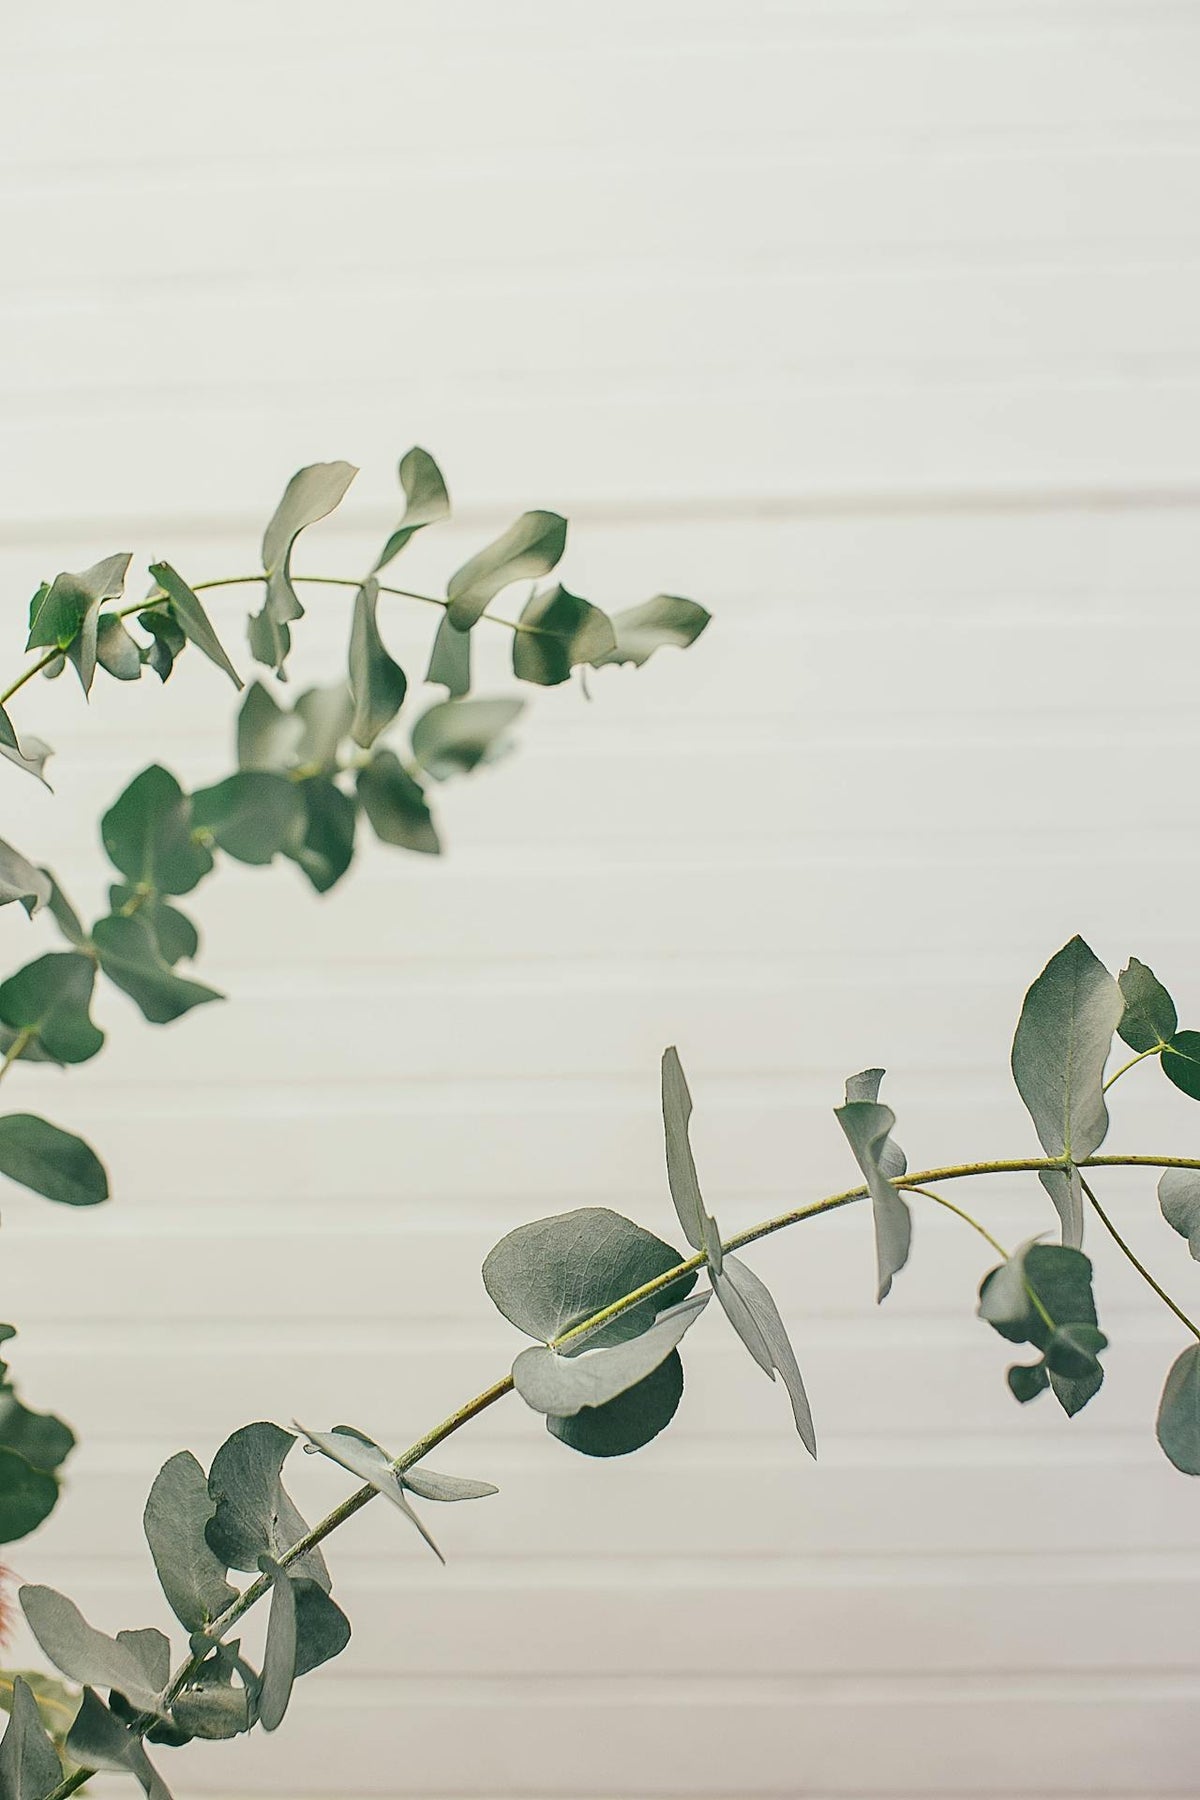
x: 396, y: 806
x: 27, y: 1496
x: 130, y: 957
x: 252, y: 815
x: 1181, y: 1063
x: 657, y: 623
x: 148, y: 835
x: 311, y: 494
x: 450, y: 661
x: 279, y: 1658
x: 177, y: 1514
x: 268, y: 737
x: 364, y: 1458
x: 868, y: 1126
x: 1043, y: 1296
x: 63, y: 913
x: 99, y: 1740
x: 377, y: 683
x: 20, y: 881
x: 755, y: 1317
x: 1061, y: 1045
x: 167, y: 639
x: 559, y: 630
x: 1149, y: 1020
x: 325, y: 714
x: 50, y: 1161
x: 455, y: 736
x: 8, y: 732
x: 1179, y: 1199
x: 550, y: 1275
x: 32, y: 756
x: 429, y: 1485
x: 50, y: 998
x: 42, y: 1440
x: 628, y: 1422
x: 68, y: 612
x: 529, y: 548
x: 116, y: 651
x: 56, y: 1702
x: 255, y: 1515
x: 136, y: 1662
x: 699, y: 1228
x: 175, y: 934
x: 563, y: 1384
x: 428, y: 501
x: 192, y: 619
x: 1178, y: 1424
x: 29, y: 1764
x: 327, y: 848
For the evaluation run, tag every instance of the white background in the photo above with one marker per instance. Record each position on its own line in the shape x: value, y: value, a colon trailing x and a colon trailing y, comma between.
x: 875, y: 328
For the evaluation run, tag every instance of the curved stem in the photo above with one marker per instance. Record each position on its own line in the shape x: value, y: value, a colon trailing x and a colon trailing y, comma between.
x: 965, y: 1216
x: 43, y: 662
x: 1132, y: 1064
x: 1140, y: 1266
x: 916, y: 1182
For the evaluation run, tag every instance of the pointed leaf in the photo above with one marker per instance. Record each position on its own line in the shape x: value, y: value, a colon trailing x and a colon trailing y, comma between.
x: 364, y: 1458
x: 130, y: 957
x: 167, y: 639
x: 20, y: 881
x: 1149, y: 1020
x: 456, y: 736
x: 279, y: 1659
x: 377, y: 683
x: 132, y: 1662
x: 192, y: 619
x: 50, y: 998
x: 557, y: 630
x: 311, y: 494
x: 554, y: 1273
x: 268, y: 737
x: 630, y: 1421
x: 29, y: 1764
x: 63, y: 913
x: 1178, y: 1424
x: 148, y: 835
x: 562, y: 1385
x: 99, y: 1740
x: 32, y: 756
x: 255, y: 1515
x: 428, y: 501
x: 1179, y: 1199
x: 327, y: 848
x: 67, y: 613
x: 699, y: 1228
x: 450, y: 661
x: 1061, y: 1045
x: 395, y: 805
x: 657, y: 623
x: 1181, y: 1063
x: 1066, y: 1191
x: 252, y: 816
x: 868, y: 1126
x: 752, y: 1312
x: 50, y: 1161
x: 529, y: 548
x: 429, y: 1485
x: 177, y: 1513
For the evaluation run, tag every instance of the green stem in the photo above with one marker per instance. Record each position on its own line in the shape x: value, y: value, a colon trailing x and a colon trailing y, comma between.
x: 966, y: 1217
x: 1140, y: 1266
x: 43, y: 662
x: 16, y: 1049
x: 1132, y: 1064
x: 914, y: 1183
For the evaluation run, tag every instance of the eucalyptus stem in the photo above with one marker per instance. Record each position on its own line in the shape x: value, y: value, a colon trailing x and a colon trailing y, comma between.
x: 1140, y: 1266
x: 43, y: 662
x: 17, y: 1048
x: 916, y: 1182
x: 1131, y: 1064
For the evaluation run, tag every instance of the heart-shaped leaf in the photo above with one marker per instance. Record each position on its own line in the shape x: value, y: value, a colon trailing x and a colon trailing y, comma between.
x: 529, y: 548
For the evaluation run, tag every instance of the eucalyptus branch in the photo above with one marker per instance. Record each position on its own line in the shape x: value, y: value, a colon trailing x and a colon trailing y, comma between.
x: 1132, y: 1258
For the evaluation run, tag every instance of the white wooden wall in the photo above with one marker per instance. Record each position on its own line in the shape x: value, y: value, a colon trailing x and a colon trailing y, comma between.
x: 876, y: 327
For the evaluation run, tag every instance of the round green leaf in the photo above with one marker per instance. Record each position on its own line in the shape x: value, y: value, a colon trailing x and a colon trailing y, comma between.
x: 148, y: 835
x: 1181, y: 1062
x: 629, y: 1421
x: 27, y: 1496
x: 252, y: 815
x: 51, y: 998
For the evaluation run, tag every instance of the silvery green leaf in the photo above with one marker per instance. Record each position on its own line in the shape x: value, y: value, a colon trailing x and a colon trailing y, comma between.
x: 1042, y: 1295
x: 51, y: 998
x: 363, y: 1457
x: 529, y: 548
x: 377, y: 682
x: 428, y: 501
x: 556, y: 631
x: 396, y: 806
x: 1179, y: 1199
x: 1061, y: 1045
x: 1181, y: 1063
x: 1149, y: 1020
x: 327, y: 847
x: 175, y: 934
x: 699, y: 1228
x: 116, y: 651
x: 641, y: 630
x: 136, y: 1662
x: 177, y: 1513
x: 561, y: 1385
x: 131, y: 959
x: 630, y: 1421
x: 450, y: 660
x: 253, y: 815
x: 868, y: 1126
x: 279, y: 1658
x: 51, y: 1161
x: 99, y: 1740
x: 31, y: 756
x: 1066, y: 1191
x: 311, y: 494
x: 1178, y: 1423
x: 254, y: 1514
x: 455, y: 736
x: 325, y: 714
x: 27, y: 1496
x: 192, y: 619
x: 268, y: 737
x: 29, y: 1765
x: 147, y: 833
x: 67, y: 614
x: 429, y: 1485
x: 63, y: 913
x: 20, y: 881
x: 322, y: 1628
x: 752, y: 1312
x: 554, y: 1273
x: 213, y: 1711
x: 167, y: 639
